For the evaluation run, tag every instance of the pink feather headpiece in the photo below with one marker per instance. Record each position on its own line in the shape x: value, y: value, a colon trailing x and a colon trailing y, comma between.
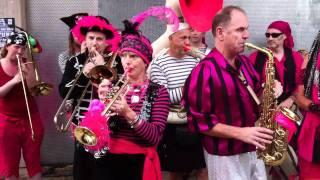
x: 161, y: 12
x: 97, y: 24
x: 132, y: 38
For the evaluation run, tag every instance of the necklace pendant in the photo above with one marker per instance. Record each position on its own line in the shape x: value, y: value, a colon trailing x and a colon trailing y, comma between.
x: 135, y: 99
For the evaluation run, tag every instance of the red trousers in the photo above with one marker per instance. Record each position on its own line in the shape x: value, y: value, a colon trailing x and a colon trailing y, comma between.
x: 15, y: 137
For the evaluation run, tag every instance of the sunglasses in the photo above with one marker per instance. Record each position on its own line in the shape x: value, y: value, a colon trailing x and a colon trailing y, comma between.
x: 273, y: 35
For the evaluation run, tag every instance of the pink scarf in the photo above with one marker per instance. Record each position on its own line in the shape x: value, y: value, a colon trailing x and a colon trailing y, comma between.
x: 151, y: 169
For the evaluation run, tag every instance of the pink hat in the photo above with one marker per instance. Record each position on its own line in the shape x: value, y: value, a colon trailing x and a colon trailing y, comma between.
x: 284, y: 27
x: 132, y: 40
x: 96, y: 24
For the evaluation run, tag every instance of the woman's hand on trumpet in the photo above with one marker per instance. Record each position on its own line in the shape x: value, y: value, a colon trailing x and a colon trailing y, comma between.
x: 121, y: 108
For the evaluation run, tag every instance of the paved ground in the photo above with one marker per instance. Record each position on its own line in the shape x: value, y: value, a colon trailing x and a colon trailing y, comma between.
x: 54, y: 172
x: 64, y: 172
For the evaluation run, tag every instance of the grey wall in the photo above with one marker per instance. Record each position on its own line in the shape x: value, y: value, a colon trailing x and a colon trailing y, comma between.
x: 301, y: 15
x: 117, y: 11
x: 43, y: 22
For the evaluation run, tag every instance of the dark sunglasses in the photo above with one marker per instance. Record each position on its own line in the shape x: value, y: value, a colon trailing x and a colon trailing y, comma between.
x: 273, y: 35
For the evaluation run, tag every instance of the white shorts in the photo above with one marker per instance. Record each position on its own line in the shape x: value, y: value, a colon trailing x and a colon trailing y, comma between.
x: 244, y: 166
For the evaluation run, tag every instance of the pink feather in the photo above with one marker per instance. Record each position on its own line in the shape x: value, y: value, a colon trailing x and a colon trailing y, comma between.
x: 97, y: 124
x: 161, y: 12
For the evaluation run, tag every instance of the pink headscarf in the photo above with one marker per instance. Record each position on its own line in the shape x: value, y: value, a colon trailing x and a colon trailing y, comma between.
x: 284, y: 27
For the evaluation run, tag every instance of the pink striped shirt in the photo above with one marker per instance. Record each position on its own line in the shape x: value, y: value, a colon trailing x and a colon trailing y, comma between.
x: 214, y: 94
x: 148, y: 133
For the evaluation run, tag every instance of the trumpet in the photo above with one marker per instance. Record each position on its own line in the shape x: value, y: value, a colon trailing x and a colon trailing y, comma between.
x: 194, y: 52
x: 63, y: 117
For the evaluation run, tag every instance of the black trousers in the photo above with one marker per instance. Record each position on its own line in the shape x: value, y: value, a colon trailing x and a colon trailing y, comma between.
x: 119, y: 167
x: 83, y: 163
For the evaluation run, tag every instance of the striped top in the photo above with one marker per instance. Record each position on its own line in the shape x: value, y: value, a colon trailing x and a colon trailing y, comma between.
x: 149, y: 132
x: 214, y: 94
x: 74, y: 67
x: 172, y: 73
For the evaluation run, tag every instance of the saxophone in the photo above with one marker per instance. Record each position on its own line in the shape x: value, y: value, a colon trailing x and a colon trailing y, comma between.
x: 276, y: 152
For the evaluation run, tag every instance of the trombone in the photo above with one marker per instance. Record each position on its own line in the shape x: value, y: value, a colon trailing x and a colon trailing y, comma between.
x: 41, y: 88
x: 61, y: 119
x: 25, y: 95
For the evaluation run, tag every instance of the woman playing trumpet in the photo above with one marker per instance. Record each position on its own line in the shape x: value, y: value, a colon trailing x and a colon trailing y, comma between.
x: 139, y: 117
x: 17, y: 131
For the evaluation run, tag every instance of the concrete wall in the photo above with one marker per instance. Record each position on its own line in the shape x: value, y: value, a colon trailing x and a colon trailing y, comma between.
x: 43, y: 18
x: 15, y: 9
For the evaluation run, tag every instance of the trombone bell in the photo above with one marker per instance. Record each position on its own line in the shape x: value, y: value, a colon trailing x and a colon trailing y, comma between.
x: 98, y: 73
x: 41, y: 89
x: 85, y: 136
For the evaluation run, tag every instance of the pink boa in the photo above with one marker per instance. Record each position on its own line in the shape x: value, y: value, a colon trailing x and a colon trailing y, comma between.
x: 97, y: 124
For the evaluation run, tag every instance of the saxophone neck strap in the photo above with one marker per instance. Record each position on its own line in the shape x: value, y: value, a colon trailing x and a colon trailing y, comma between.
x: 249, y: 88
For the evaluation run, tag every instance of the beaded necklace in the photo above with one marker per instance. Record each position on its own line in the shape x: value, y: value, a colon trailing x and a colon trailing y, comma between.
x: 137, y: 92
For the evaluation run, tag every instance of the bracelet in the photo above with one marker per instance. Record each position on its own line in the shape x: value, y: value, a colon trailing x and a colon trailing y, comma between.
x: 314, y: 107
x: 134, y: 122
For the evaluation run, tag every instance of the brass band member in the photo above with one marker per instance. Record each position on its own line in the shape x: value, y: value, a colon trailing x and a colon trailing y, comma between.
x: 287, y: 66
x: 140, y: 115
x: 99, y: 37
x: 287, y: 61
x: 221, y: 108
x: 179, y: 147
x: 15, y: 130
x: 74, y: 46
x: 308, y: 99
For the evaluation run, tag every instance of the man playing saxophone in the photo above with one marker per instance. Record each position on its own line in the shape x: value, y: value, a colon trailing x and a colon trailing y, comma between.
x: 97, y: 36
x: 220, y: 106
